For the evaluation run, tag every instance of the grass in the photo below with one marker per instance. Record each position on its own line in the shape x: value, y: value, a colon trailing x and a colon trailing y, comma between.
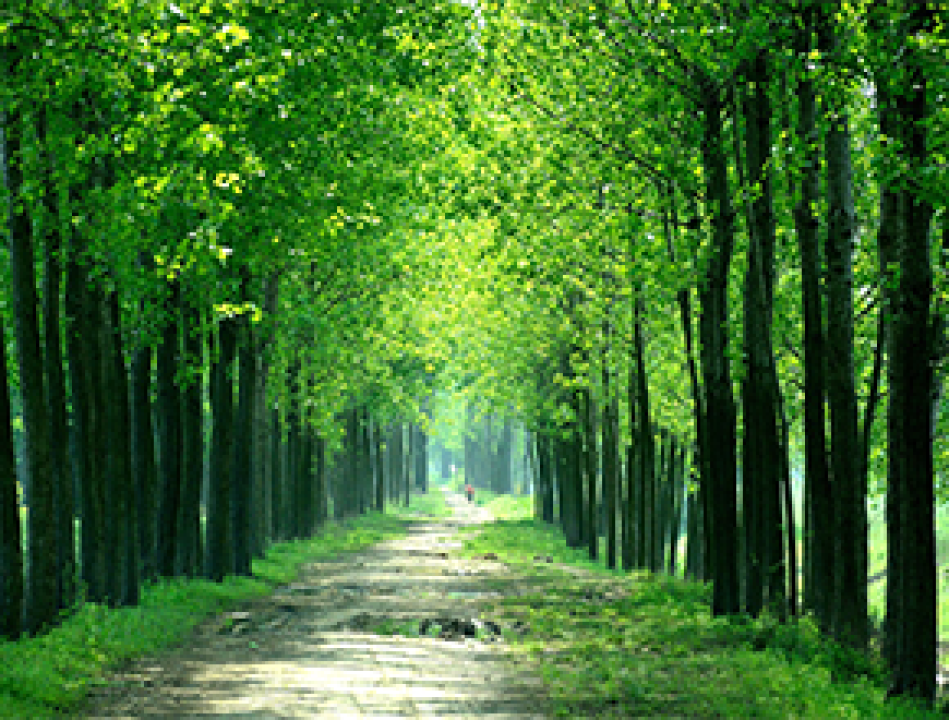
x: 614, y: 644
x: 49, y: 675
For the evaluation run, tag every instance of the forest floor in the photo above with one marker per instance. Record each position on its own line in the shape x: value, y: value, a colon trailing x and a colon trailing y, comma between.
x: 488, y: 614
x: 313, y: 648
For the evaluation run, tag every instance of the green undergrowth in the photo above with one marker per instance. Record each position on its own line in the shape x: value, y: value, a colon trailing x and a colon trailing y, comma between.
x: 504, y: 507
x: 614, y: 644
x: 49, y: 675
x: 430, y: 504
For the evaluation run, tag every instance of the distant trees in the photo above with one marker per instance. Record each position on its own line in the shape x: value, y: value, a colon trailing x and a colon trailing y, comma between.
x: 156, y: 204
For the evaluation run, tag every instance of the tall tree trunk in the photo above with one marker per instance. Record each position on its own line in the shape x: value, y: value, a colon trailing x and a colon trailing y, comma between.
x: 63, y: 499
x: 713, y: 326
x: 264, y: 478
x: 590, y: 473
x: 82, y: 345
x: 43, y: 580
x: 380, y: 487
x: 244, y: 460
x: 189, y: 546
x: 144, y: 469
x: 220, y: 556
x: 762, y: 445
x: 395, y: 468
x: 912, y: 376
x: 610, y: 459
x: 278, y: 528
x: 11, y: 548
x: 124, y: 573
x: 319, y: 451
x: 677, y: 478
x: 169, y: 432
x: 850, y: 619
x: 819, y: 554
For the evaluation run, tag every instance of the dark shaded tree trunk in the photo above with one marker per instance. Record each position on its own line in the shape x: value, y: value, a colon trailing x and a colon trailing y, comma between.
x: 189, y: 547
x: 764, y: 557
x: 43, y: 579
x: 818, y: 518
x: 278, y: 530
x: 610, y: 461
x: 677, y: 482
x: 220, y: 556
x: 144, y: 469
x: 720, y: 405
x: 124, y: 572
x: 319, y: 452
x: 912, y: 354
x: 82, y: 345
x: 11, y: 549
x: 63, y: 498
x: 168, y: 413
x: 590, y: 464
x: 379, y: 468
x: 264, y: 478
x: 244, y: 460
x: 645, y: 450
x: 850, y: 621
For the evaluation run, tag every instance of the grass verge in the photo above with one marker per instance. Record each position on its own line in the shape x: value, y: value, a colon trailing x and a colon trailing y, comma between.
x: 49, y: 675
x: 614, y: 644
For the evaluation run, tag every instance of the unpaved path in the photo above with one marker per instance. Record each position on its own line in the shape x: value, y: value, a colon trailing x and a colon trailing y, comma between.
x: 307, y: 650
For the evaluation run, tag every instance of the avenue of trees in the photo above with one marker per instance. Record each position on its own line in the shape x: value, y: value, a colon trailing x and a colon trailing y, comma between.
x: 686, y: 250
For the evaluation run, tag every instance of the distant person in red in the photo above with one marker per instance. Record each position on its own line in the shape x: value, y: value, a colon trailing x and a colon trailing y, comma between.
x: 469, y: 491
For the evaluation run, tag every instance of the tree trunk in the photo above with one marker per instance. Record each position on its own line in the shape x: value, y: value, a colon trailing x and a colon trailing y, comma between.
x: 819, y: 568
x: 911, y: 449
x: 11, y: 548
x: 43, y: 580
x: 144, y: 469
x: 169, y: 433
x: 764, y: 558
x: 850, y: 621
x: 590, y: 470
x: 677, y: 478
x: 124, y: 573
x: 610, y: 462
x: 189, y: 548
x: 244, y: 460
x: 220, y: 557
x: 645, y: 475
x: 380, y: 486
x: 278, y: 528
x: 714, y: 323
x: 63, y: 499
x: 82, y: 346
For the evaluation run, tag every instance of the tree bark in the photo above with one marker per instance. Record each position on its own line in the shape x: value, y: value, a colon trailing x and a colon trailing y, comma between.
x: 911, y: 439
x: 63, y: 497
x: 721, y: 416
x: 610, y: 461
x: 169, y: 432
x: 11, y: 548
x: 43, y: 579
x: 819, y: 564
x: 220, y: 556
x: 244, y: 460
x: 850, y: 620
x: 124, y: 574
x: 144, y: 469
x: 189, y: 546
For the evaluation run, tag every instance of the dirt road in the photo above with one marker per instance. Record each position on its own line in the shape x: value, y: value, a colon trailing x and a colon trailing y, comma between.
x: 308, y: 650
